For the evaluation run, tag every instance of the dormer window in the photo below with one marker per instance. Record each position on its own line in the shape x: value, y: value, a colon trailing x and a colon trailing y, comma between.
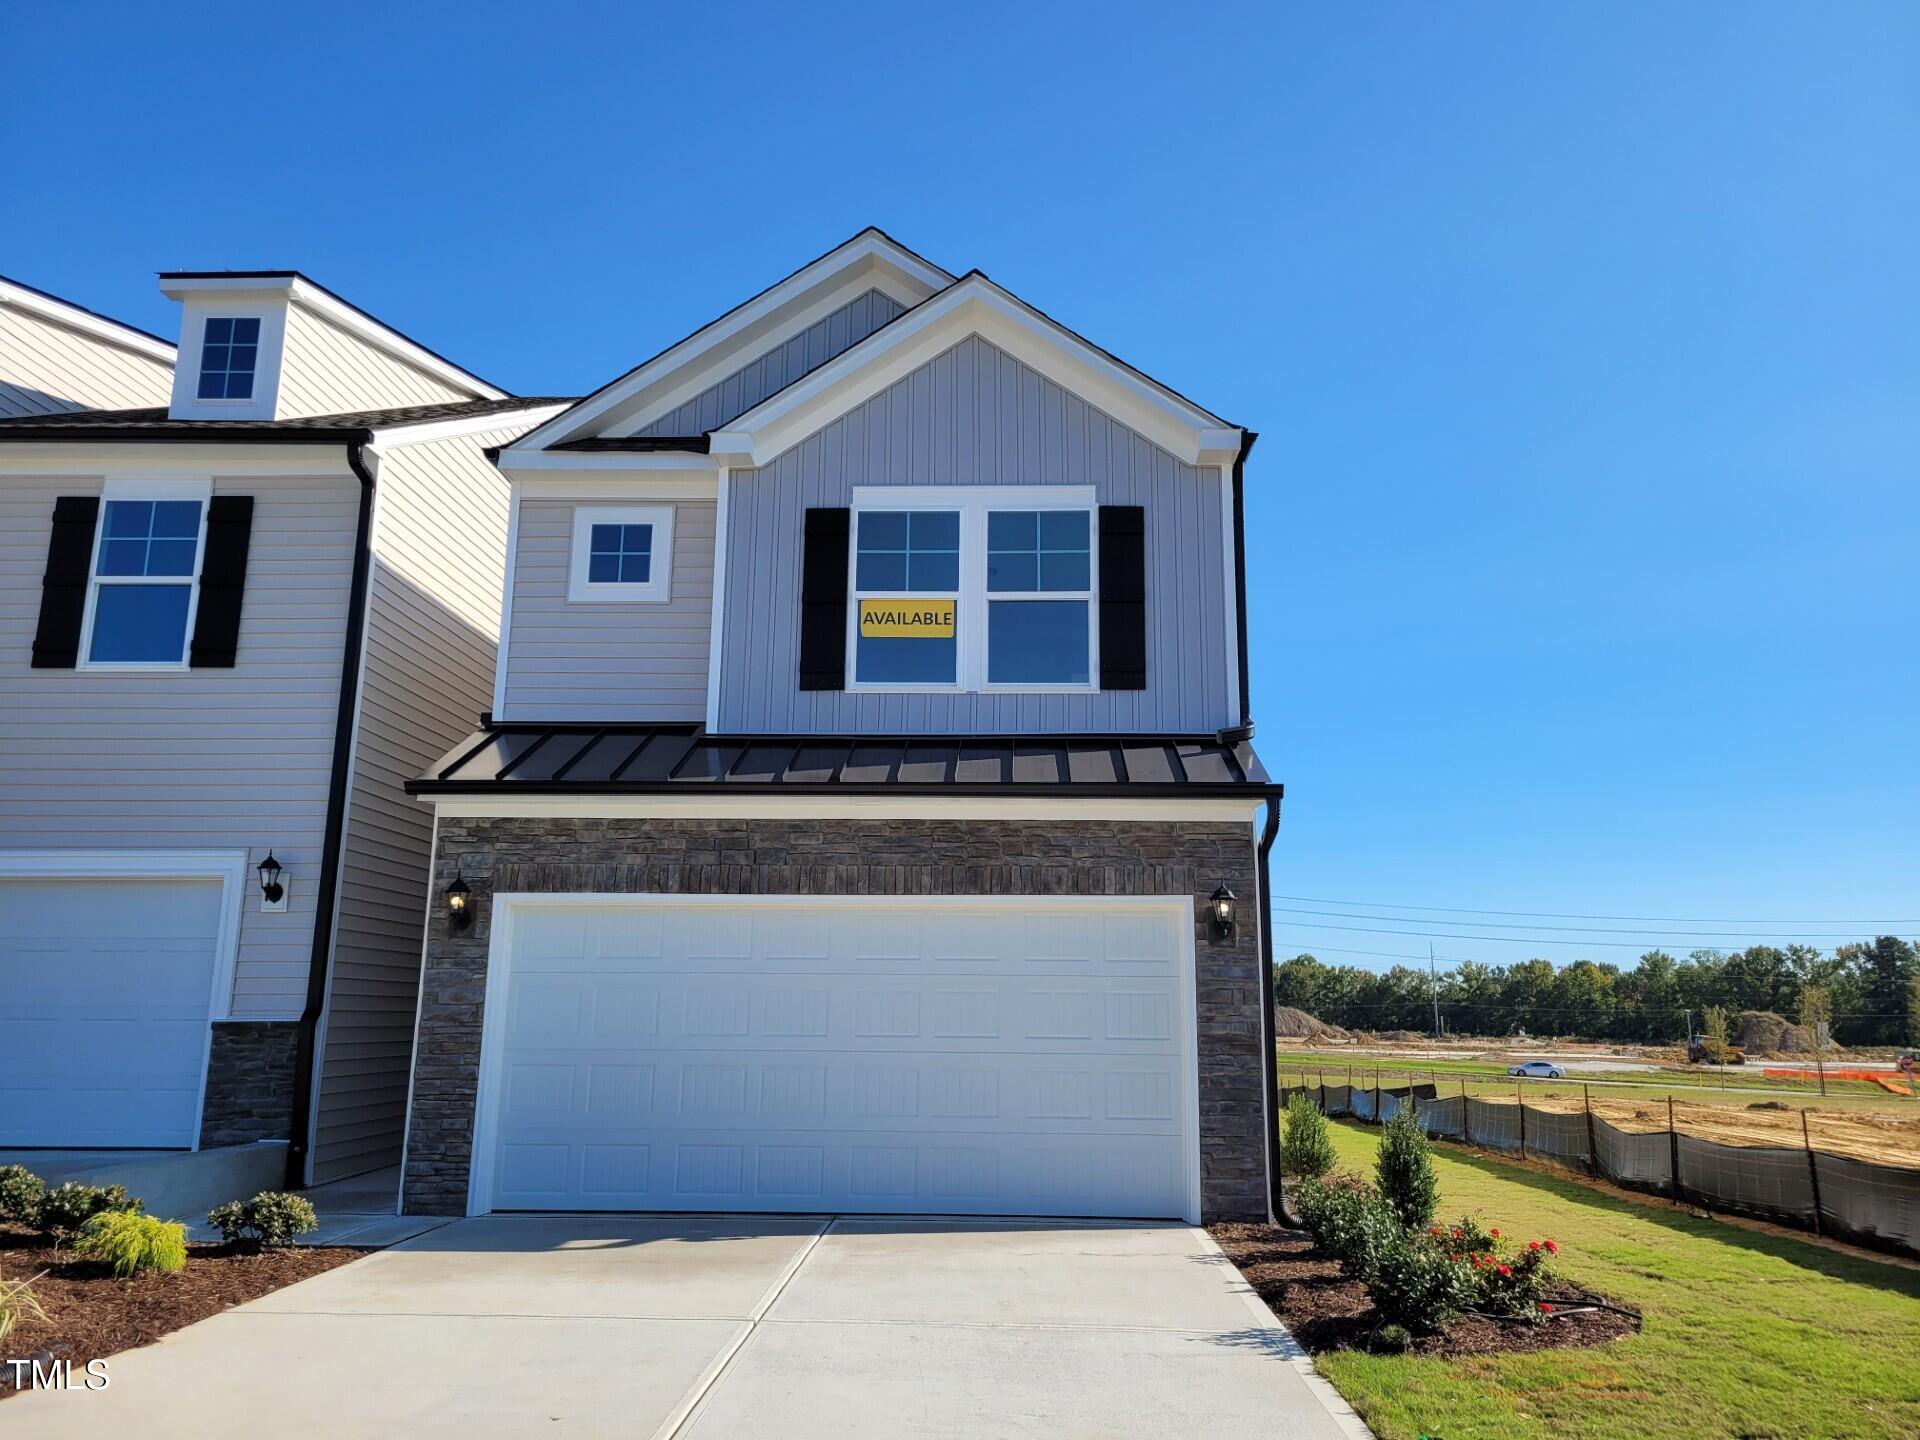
x: 622, y: 553
x: 227, y: 358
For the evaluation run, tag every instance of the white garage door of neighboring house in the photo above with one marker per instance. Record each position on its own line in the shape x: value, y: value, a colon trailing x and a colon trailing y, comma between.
x: 953, y: 1057
x: 105, y: 985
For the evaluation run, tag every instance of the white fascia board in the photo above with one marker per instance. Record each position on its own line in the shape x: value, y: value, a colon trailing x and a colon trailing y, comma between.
x: 389, y: 436
x: 323, y: 459
x: 85, y: 322
x: 355, y: 322
x: 835, y: 807
x: 514, y: 460
x: 645, y: 485
x: 975, y: 306
x: 868, y: 261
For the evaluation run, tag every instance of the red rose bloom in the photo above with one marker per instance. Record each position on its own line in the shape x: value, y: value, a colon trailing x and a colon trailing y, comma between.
x: 1546, y: 1308
x: 1533, y: 1244
x: 1552, y: 1249
x: 1506, y: 1270
x: 1494, y: 1233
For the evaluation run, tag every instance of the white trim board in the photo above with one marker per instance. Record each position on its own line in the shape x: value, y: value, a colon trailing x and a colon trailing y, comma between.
x: 507, y: 905
x: 975, y: 306
x: 837, y: 807
x: 70, y: 316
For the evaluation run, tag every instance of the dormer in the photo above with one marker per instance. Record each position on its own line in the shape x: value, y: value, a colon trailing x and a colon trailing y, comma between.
x: 274, y: 345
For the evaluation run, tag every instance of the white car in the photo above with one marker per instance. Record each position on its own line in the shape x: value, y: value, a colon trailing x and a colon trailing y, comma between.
x: 1537, y: 1070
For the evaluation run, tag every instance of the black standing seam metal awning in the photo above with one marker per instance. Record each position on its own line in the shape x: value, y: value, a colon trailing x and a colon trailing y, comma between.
x: 681, y: 758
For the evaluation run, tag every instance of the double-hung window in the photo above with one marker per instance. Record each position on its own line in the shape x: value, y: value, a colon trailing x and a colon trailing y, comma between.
x: 988, y: 588
x: 146, y: 567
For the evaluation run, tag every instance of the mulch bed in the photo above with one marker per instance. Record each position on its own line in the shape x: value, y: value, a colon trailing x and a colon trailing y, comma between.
x: 91, y: 1314
x: 1326, y: 1311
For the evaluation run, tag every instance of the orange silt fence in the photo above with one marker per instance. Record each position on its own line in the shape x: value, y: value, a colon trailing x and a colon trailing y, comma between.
x: 1896, y: 1083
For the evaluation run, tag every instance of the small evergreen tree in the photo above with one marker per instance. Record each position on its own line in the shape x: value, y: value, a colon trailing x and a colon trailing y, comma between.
x: 1404, y: 1168
x: 1306, y: 1149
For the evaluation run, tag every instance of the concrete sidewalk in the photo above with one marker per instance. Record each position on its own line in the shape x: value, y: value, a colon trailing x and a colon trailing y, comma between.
x: 739, y: 1327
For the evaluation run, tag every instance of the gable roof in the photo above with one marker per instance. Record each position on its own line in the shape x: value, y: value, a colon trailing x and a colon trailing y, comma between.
x: 306, y: 291
x: 88, y: 322
x: 358, y: 425
x: 975, y: 305
x: 870, y: 259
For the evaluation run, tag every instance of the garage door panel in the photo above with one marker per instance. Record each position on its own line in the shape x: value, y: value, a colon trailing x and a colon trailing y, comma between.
x: 105, y: 988
x: 1022, y: 1062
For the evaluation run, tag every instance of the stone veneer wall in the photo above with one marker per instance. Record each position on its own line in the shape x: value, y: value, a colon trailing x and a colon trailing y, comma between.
x: 249, y: 1082
x: 854, y: 857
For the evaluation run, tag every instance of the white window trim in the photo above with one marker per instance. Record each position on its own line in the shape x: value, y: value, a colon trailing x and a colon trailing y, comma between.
x: 253, y: 379
x: 970, y: 611
x: 146, y: 487
x: 656, y: 590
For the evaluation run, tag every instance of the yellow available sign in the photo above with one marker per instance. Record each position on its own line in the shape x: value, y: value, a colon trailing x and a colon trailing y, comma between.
x: 910, y: 619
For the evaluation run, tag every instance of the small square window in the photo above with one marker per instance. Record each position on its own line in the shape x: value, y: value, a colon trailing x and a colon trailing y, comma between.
x: 228, y: 352
x: 622, y: 554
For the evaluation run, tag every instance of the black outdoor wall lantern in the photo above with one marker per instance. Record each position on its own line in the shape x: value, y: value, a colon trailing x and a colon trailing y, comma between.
x: 459, y: 905
x: 1225, y: 911
x: 271, y: 890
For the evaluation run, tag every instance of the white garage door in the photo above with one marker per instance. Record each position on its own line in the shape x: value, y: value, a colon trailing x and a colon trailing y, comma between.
x: 999, y: 1057
x: 104, y: 991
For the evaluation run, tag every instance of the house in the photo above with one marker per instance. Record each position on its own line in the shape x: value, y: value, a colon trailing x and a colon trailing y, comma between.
x: 233, y: 622
x: 56, y: 356
x: 866, y: 818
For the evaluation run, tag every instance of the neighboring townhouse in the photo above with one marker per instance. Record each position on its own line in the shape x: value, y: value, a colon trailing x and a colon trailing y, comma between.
x: 56, y: 357
x: 866, y: 819
x: 232, y: 624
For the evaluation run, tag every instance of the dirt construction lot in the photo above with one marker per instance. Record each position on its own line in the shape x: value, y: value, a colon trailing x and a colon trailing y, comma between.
x: 1859, y: 1135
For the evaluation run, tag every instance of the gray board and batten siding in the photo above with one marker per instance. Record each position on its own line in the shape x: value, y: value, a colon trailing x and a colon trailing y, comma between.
x: 732, y: 397
x: 974, y: 415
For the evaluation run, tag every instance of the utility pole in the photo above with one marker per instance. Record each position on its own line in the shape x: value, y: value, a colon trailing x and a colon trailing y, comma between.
x: 1434, y: 977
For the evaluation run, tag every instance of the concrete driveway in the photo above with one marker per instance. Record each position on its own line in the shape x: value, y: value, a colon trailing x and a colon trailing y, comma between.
x: 742, y: 1328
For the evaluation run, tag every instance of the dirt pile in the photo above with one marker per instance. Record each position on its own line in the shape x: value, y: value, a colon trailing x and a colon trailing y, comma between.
x: 1763, y: 1032
x: 1292, y: 1024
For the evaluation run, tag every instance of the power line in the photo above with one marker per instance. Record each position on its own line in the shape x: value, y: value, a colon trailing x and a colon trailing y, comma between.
x: 1882, y: 925
x: 1587, y: 929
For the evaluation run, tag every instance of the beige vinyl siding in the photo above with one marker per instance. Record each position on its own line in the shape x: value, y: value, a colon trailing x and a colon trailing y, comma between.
x: 607, y: 661
x: 46, y: 368
x: 433, y: 613
x: 198, y: 759
x: 326, y: 371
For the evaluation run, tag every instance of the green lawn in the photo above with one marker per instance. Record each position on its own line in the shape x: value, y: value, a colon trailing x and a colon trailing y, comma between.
x: 1706, y: 1086
x: 1747, y: 1335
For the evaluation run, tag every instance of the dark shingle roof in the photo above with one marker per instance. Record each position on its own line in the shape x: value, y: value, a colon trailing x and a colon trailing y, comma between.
x: 154, y: 424
x: 675, y: 759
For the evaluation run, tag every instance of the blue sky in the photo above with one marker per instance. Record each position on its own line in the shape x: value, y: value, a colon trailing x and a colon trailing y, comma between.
x: 1584, y: 343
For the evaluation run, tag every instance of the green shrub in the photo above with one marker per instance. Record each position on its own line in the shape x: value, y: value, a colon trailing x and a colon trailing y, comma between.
x: 17, y: 1303
x: 1348, y: 1221
x: 133, y: 1243
x: 1404, y: 1168
x: 1417, y: 1282
x: 20, y: 1193
x: 273, y: 1217
x: 1306, y: 1148
x: 65, y: 1208
x: 1390, y: 1339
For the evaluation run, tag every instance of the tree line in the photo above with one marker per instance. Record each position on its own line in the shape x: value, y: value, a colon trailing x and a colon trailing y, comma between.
x: 1871, y: 991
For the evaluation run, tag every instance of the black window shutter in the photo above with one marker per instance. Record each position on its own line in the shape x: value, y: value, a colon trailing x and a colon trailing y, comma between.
x: 223, y: 579
x: 823, y: 600
x: 1123, y: 597
x: 63, y: 590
